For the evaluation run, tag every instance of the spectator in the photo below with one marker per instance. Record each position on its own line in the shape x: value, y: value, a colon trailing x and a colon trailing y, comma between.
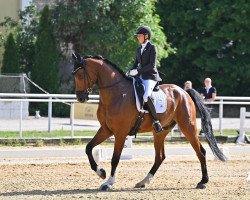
x: 187, y: 85
x: 208, y: 93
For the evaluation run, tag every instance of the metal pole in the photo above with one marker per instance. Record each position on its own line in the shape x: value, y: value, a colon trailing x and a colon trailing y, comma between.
x: 220, y: 116
x: 21, y: 121
x: 241, y: 138
x: 72, y: 115
x: 242, y: 120
x: 49, y: 114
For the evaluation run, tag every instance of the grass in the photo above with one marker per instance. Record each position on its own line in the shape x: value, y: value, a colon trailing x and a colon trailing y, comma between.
x: 61, y: 134
x: 44, y: 134
x: 64, y: 133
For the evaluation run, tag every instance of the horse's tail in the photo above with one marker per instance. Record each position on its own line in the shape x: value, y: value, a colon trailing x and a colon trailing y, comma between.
x: 206, y: 124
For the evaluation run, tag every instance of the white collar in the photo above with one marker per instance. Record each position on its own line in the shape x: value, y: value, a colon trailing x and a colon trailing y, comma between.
x: 144, y: 44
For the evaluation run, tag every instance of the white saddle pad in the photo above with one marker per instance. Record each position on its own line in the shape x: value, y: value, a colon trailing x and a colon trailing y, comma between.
x: 159, y: 100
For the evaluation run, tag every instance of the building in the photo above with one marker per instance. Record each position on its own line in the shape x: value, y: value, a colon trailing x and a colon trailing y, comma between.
x: 11, y: 8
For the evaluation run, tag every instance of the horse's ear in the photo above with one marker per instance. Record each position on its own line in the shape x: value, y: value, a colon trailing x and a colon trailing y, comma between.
x: 76, y: 56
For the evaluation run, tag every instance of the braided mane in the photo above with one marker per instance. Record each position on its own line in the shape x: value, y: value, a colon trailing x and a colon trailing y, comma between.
x: 98, y: 57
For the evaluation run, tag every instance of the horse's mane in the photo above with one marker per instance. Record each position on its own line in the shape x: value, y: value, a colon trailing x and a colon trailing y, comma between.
x: 98, y: 57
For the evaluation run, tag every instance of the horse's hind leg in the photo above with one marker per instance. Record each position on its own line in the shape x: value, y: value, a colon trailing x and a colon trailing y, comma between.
x: 101, y: 135
x: 190, y: 131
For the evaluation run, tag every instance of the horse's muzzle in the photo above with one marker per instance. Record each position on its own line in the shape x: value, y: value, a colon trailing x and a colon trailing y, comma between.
x: 82, y: 96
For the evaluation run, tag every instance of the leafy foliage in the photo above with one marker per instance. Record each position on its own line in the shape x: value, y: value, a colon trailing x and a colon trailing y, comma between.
x: 210, y: 39
x: 10, y: 57
x: 107, y: 27
x: 25, y: 32
x: 45, y: 69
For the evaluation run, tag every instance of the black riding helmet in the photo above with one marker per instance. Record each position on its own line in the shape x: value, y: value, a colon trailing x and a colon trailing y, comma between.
x: 144, y: 30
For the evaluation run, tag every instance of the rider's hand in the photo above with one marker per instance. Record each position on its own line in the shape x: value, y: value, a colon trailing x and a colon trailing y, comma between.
x: 133, y: 72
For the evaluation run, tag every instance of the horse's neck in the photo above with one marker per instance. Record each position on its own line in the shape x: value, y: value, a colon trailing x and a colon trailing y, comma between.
x: 113, y: 85
x: 108, y: 76
x: 117, y: 93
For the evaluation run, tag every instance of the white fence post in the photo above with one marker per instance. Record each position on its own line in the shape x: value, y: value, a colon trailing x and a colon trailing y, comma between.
x: 241, y: 138
x: 242, y: 119
x: 220, y: 116
x: 72, y: 117
x: 49, y: 114
x: 21, y: 121
x: 243, y: 115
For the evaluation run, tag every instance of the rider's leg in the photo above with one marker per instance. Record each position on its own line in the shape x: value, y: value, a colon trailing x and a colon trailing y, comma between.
x: 152, y: 112
x: 149, y: 86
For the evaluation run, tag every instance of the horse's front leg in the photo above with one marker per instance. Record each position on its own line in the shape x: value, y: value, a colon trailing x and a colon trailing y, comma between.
x: 102, y: 134
x: 119, y: 144
x: 159, y: 157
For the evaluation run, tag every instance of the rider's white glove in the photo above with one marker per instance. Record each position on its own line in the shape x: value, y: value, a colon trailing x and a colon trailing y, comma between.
x: 133, y: 72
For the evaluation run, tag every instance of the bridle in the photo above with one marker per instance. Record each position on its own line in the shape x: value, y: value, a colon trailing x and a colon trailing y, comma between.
x: 85, y: 73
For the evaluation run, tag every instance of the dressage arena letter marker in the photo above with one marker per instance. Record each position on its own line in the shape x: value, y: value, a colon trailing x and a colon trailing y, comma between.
x: 248, y: 178
x: 100, y: 155
x: 127, y: 145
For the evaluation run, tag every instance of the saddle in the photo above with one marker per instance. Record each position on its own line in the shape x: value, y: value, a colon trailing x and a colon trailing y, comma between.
x: 158, y: 96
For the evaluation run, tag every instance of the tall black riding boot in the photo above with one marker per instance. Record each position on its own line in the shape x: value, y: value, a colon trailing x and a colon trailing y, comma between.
x: 152, y: 112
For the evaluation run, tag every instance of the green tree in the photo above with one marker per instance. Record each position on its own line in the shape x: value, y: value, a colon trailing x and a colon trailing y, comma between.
x: 25, y: 32
x: 10, y: 56
x: 210, y: 39
x: 26, y: 37
x: 183, y: 23
x: 45, y: 70
x: 228, y: 46
x: 107, y: 27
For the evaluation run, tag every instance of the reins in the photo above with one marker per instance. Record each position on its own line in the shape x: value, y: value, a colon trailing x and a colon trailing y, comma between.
x: 109, y: 86
x: 89, y: 78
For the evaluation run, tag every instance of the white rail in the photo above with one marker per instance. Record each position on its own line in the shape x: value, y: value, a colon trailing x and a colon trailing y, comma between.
x: 243, y: 129
x: 71, y: 98
x: 63, y: 98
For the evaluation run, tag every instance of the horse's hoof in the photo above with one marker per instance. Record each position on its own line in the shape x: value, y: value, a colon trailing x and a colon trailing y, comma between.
x: 139, y: 185
x: 103, y: 173
x: 105, y: 187
x: 201, y: 186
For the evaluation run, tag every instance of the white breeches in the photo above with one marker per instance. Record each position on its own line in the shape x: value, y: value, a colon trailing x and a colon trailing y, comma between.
x: 149, y: 86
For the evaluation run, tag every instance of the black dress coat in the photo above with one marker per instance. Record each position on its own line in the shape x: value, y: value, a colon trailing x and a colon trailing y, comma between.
x: 145, y: 63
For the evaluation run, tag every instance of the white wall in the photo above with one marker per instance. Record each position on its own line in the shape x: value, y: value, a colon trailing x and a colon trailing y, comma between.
x: 24, y: 4
x: 11, y: 110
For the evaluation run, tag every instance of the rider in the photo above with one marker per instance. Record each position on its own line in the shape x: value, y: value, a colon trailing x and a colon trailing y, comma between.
x: 145, y: 67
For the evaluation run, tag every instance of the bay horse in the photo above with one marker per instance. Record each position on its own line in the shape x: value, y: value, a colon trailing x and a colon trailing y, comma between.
x: 117, y: 114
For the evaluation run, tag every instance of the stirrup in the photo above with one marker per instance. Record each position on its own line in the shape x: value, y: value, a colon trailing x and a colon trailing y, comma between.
x: 157, y: 126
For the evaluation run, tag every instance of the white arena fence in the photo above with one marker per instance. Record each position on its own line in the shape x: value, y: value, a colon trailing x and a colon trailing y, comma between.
x: 71, y: 99
x: 243, y: 129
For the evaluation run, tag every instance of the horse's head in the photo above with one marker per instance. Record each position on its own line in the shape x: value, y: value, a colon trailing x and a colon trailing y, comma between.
x: 84, y: 78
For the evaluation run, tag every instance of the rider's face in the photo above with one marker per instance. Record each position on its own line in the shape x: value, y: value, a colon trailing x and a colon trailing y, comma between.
x: 140, y: 38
